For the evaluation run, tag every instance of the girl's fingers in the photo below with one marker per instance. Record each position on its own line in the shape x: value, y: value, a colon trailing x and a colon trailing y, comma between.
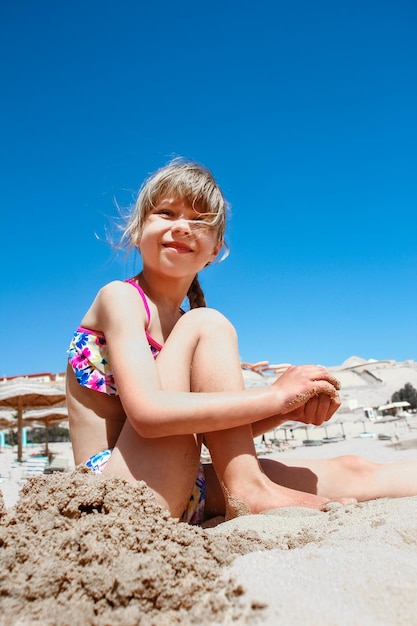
x: 326, y: 375
x: 318, y: 410
x: 322, y: 415
x: 310, y: 411
x: 323, y: 386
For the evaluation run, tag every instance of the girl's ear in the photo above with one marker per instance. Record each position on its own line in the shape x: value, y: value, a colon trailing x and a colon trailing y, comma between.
x: 218, y: 248
x: 216, y: 251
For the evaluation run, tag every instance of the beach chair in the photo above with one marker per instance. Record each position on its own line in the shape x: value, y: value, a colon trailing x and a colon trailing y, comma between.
x: 33, y: 466
x: 58, y: 464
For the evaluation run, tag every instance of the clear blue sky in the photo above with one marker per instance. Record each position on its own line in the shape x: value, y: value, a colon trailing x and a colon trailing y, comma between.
x: 304, y: 111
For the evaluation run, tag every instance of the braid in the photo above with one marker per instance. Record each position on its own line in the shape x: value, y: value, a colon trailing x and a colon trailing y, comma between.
x: 195, y: 294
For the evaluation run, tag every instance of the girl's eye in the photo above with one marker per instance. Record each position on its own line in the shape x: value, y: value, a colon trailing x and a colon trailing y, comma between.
x: 202, y: 217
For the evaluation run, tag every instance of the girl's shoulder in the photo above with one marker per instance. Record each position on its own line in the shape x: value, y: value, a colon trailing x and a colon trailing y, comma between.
x: 116, y: 305
x: 120, y: 296
x: 113, y: 285
x: 122, y: 288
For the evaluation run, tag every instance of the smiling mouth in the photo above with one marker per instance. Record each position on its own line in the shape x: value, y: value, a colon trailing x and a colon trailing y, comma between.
x: 178, y: 247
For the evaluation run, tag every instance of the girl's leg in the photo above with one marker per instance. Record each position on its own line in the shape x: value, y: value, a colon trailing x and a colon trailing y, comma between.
x: 216, y: 367
x: 201, y: 354
x: 346, y: 476
x: 168, y: 465
x: 337, y: 478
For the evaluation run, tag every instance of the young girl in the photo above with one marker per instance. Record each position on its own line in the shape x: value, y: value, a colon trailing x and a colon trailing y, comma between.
x: 146, y: 381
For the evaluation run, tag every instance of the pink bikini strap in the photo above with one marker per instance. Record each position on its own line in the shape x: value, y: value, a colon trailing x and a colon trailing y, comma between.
x: 142, y: 294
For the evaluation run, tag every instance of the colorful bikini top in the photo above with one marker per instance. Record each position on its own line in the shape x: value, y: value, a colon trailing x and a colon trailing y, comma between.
x: 89, y: 358
x: 154, y: 345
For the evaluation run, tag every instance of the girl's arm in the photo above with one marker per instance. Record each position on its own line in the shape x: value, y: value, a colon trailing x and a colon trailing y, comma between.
x: 154, y: 412
x: 315, y: 411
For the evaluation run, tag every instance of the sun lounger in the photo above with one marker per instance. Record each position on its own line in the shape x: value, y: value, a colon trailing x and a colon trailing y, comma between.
x: 58, y: 464
x: 33, y: 466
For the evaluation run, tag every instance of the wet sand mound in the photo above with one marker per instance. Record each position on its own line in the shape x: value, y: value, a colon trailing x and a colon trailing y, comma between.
x: 80, y: 548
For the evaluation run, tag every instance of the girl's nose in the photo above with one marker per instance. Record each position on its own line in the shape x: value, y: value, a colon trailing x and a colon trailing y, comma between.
x: 181, y: 226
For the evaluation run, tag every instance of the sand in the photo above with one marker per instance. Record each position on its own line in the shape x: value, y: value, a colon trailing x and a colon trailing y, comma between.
x: 82, y: 549
x: 352, y: 565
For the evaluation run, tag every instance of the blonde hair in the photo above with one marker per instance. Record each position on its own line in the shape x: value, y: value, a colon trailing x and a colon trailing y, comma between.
x: 195, y: 185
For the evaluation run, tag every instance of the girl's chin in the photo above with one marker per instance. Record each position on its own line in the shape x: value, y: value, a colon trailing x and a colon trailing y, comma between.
x: 176, y: 273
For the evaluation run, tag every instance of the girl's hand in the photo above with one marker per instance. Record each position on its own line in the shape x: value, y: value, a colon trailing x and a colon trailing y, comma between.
x: 315, y: 411
x: 309, y: 393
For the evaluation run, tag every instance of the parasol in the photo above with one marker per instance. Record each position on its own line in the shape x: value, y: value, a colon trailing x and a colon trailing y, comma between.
x: 23, y: 393
x: 52, y: 416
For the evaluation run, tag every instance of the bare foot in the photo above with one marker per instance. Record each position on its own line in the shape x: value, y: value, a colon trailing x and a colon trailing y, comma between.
x: 275, y: 496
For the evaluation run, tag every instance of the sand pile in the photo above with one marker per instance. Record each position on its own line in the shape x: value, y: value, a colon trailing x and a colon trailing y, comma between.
x: 79, y: 549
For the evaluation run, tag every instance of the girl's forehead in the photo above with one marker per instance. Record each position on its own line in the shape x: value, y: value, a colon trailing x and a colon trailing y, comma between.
x: 177, y: 202
x: 171, y: 200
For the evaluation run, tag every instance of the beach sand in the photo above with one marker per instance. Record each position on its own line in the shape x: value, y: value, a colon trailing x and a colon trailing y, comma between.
x: 80, y: 549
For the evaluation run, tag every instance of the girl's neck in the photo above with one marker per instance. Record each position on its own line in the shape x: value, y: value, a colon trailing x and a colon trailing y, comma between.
x: 167, y: 292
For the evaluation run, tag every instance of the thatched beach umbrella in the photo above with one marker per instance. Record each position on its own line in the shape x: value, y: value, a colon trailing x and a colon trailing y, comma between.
x: 22, y: 393
x: 7, y: 419
x: 47, y: 418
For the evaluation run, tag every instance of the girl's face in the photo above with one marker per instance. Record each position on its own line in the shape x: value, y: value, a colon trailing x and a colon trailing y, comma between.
x: 176, y: 241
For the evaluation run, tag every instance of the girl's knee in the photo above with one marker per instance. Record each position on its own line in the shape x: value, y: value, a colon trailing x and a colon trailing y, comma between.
x: 209, y: 321
x: 355, y: 464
